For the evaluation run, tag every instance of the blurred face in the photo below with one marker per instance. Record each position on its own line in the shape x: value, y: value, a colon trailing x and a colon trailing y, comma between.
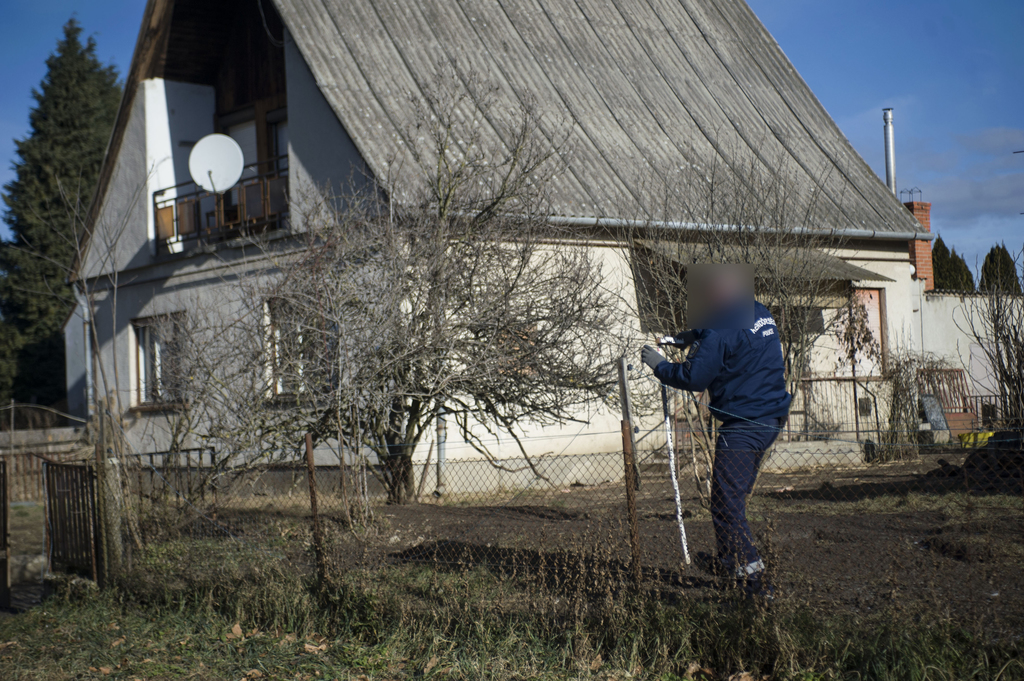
x: 720, y: 296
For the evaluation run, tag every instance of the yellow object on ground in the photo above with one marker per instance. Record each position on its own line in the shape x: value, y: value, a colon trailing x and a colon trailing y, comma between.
x: 968, y: 440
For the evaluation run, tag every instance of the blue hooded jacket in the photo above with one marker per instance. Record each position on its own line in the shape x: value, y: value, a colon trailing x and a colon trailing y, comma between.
x: 742, y: 369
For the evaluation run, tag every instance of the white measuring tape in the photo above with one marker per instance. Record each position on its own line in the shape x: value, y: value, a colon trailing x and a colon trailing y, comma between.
x: 672, y: 473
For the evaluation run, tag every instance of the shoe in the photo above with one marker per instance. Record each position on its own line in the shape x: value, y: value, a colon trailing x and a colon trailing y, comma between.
x: 758, y: 588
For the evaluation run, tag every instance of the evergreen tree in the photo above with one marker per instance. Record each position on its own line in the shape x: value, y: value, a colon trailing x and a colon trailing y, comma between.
x: 940, y: 263
x: 56, y: 171
x: 960, y: 275
x: 950, y: 269
x: 999, y: 271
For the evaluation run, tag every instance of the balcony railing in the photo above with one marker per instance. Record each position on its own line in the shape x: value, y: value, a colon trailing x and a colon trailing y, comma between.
x: 186, y: 214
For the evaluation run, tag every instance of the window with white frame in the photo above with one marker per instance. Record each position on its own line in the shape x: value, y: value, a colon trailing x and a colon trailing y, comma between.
x: 158, y: 359
x: 285, y: 348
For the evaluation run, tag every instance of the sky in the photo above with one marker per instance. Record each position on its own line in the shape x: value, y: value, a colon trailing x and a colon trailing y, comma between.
x: 952, y: 70
x: 29, y: 31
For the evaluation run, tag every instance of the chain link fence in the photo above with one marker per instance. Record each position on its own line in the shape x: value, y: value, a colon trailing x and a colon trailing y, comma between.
x: 842, y: 516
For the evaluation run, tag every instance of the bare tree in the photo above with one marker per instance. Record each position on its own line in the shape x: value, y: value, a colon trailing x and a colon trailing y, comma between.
x: 389, y: 320
x: 995, y: 319
x: 94, y: 276
x: 737, y: 212
x: 465, y: 299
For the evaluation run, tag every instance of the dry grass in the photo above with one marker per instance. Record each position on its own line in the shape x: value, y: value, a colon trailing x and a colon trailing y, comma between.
x: 415, y: 621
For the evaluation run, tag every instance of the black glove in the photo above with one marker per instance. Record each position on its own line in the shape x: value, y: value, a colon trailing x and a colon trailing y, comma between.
x: 651, y: 357
x: 686, y: 338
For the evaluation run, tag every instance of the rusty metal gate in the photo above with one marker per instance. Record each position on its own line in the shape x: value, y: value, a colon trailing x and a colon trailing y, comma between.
x: 71, y: 528
x: 5, y: 538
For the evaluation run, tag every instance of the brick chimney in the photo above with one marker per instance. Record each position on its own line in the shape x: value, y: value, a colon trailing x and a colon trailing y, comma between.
x: 921, y: 249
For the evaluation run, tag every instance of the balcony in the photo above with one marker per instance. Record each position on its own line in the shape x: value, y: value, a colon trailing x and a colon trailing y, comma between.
x: 187, y: 216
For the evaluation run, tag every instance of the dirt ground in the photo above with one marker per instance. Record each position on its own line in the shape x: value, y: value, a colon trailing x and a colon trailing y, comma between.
x: 901, y: 536
x: 909, y: 535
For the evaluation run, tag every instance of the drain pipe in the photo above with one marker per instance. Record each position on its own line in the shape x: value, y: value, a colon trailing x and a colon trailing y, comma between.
x: 890, y: 151
x: 442, y: 435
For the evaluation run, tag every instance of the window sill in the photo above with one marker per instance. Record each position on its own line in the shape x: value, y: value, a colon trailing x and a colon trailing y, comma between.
x: 157, y: 407
x: 285, y: 400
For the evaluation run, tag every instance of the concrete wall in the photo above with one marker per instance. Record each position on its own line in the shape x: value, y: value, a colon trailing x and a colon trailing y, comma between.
x: 76, y: 362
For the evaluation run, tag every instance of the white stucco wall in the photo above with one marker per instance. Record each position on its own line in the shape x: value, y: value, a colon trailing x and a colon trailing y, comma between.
x: 946, y: 323
x: 159, y: 149
x: 164, y: 120
x: 899, y: 305
x: 891, y: 259
x: 586, y: 452
x: 190, y: 111
x: 207, y: 289
x: 177, y: 116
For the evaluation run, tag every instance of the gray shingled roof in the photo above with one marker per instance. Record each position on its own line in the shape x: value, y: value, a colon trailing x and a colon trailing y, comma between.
x: 651, y: 84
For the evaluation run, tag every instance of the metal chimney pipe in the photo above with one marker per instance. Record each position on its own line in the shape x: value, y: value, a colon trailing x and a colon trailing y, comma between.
x: 890, y: 151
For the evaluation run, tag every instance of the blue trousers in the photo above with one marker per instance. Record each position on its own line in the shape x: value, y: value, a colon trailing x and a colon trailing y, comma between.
x: 738, y: 454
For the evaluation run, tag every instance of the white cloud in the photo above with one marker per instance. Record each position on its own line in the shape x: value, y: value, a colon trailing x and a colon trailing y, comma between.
x: 996, y: 141
x: 964, y: 199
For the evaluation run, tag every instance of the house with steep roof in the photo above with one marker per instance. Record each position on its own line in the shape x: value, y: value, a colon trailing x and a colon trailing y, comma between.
x: 323, y: 93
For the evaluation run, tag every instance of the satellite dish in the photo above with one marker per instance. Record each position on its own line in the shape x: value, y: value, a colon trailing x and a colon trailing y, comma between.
x: 216, y: 163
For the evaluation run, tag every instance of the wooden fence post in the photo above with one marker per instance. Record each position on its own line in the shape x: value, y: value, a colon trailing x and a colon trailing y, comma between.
x: 102, y: 503
x: 318, y: 540
x: 632, y: 477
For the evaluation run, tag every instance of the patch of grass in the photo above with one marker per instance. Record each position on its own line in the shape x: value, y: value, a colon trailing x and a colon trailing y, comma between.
x: 27, y: 526
x: 410, y: 620
x: 104, y: 638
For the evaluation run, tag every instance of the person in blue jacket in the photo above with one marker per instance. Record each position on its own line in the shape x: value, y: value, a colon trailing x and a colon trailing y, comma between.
x: 743, y: 371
